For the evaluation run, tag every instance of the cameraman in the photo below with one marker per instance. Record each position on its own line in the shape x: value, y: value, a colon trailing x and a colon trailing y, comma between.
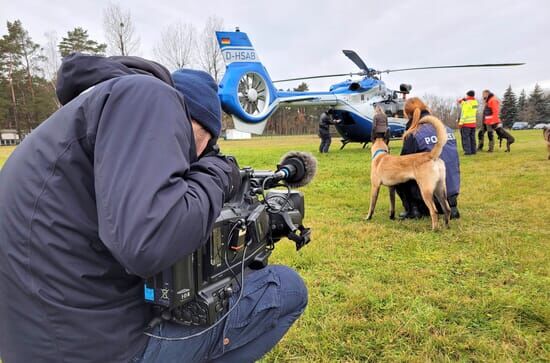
x: 108, y: 191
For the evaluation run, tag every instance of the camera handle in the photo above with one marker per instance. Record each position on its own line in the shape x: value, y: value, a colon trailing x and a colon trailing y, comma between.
x: 300, y: 235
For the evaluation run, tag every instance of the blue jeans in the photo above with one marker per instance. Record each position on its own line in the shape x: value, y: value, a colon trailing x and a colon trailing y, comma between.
x: 274, y: 297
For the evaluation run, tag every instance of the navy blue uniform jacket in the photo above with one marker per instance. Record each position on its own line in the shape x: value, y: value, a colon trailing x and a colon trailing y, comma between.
x: 424, y: 140
x: 104, y: 193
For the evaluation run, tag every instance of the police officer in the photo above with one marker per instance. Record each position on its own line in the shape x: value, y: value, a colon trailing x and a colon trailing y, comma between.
x: 491, y: 118
x: 325, y: 120
x: 467, y: 122
x: 420, y: 141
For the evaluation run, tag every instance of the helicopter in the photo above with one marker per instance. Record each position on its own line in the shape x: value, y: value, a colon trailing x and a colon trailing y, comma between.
x: 248, y: 94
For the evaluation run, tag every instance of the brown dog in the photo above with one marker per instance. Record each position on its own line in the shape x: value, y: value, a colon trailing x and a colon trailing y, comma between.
x: 426, y: 168
x: 546, y: 133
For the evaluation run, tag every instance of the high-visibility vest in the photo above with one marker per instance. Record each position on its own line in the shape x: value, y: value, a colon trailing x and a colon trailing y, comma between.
x: 468, y: 114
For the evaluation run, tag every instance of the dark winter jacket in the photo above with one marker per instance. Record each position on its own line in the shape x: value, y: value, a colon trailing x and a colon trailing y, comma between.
x: 380, y: 123
x: 324, y: 125
x: 104, y: 193
x: 424, y: 140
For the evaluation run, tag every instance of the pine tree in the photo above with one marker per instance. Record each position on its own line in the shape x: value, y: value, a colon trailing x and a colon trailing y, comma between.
x: 10, y: 62
x: 23, y: 96
x: 77, y: 41
x: 537, y: 105
x: 522, y: 106
x: 508, y: 111
x: 30, y: 58
x: 522, y: 100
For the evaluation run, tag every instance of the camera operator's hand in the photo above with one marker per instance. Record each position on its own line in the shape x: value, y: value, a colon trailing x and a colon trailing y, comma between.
x: 234, y: 177
x: 227, y: 164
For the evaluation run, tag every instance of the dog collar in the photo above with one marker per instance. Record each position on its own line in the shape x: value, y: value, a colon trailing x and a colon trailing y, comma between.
x: 379, y: 151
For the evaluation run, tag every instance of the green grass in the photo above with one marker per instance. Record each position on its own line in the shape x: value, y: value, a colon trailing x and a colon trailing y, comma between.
x: 396, y: 291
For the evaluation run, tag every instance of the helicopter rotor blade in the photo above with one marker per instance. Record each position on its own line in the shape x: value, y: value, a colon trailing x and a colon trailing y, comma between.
x: 453, y: 66
x: 354, y: 57
x: 322, y: 76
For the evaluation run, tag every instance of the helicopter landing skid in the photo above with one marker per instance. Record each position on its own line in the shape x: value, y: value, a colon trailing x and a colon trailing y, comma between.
x: 344, y: 143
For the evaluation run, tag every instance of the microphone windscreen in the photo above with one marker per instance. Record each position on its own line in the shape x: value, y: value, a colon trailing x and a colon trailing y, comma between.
x: 310, y: 167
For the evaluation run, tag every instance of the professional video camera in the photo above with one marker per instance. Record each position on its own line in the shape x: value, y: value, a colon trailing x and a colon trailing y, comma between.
x: 196, y: 290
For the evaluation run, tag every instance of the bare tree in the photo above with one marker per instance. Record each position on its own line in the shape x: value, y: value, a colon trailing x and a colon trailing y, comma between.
x: 51, y: 61
x: 176, y: 46
x: 51, y: 54
x: 210, y: 56
x: 444, y: 108
x: 119, y: 31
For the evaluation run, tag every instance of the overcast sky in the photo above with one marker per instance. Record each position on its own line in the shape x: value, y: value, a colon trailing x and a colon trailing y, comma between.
x: 300, y: 38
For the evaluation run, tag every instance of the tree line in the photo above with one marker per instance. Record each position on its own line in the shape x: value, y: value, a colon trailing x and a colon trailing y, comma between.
x: 28, y: 72
x: 533, y: 109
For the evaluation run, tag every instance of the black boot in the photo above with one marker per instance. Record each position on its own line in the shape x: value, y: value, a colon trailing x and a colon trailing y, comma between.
x: 480, y: 139
x: 453, y: 203
x: 406, y: 206
x: 455, y: 214
x: 411, y: 213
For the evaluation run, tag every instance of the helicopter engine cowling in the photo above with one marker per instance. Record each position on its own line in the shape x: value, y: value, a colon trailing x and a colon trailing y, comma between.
x: 246, y: 90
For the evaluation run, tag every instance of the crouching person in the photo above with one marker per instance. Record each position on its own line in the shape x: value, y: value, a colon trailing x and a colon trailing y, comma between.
x: 114, y: 187
x: 423, y: 138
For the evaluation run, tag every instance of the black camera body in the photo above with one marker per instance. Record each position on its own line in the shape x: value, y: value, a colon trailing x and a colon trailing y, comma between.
x: 197, y: 288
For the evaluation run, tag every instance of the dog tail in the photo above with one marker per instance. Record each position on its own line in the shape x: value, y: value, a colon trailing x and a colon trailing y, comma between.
x: 441, y: 133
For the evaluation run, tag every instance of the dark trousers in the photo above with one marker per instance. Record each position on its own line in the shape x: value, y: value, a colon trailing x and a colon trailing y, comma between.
x: 274, y: 297
x: 410, y: 195
x: 468, y: 135
x: 325, y: 143
x: 481, y: 137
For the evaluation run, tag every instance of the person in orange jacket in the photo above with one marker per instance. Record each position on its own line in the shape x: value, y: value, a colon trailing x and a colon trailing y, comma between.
x: 491, y: 119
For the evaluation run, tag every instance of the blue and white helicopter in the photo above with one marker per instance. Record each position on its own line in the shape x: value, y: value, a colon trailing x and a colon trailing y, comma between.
x: 248, y: 94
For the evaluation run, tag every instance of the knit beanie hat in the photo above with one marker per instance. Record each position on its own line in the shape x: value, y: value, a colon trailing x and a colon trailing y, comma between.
x: 470, y: 93
x: 200, y: 93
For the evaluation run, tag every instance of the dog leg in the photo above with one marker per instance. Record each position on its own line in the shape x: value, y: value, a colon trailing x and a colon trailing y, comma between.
x: 375, y: 188
x: 441, y: 196
x: 392, y: 202
x: 427, y: 195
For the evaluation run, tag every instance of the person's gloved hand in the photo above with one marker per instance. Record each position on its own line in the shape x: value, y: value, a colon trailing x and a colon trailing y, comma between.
x: 234, y: 177
x: 227, y: 164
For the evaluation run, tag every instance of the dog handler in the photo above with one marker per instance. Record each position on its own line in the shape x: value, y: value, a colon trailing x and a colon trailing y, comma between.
x: 491, y: 118
x: 423, y: 139
x: 113, y: 188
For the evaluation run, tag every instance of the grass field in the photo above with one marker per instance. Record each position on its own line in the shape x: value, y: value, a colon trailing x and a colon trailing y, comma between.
x: 396, y: 291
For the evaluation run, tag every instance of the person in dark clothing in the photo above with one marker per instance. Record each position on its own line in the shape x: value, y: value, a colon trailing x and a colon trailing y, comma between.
x: 114, y: 187
x: 380, y: 127
x: 423, y: 139
x: 325, y: 120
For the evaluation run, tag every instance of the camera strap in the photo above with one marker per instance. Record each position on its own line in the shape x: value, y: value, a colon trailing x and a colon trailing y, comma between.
x: 300, y: 235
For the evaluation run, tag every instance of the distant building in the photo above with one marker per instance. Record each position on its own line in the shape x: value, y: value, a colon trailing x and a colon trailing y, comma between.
x: 9, y: 137
x: 232, y: 134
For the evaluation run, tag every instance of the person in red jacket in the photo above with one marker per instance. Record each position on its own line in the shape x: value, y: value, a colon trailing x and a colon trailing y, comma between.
x: 491, y: 119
